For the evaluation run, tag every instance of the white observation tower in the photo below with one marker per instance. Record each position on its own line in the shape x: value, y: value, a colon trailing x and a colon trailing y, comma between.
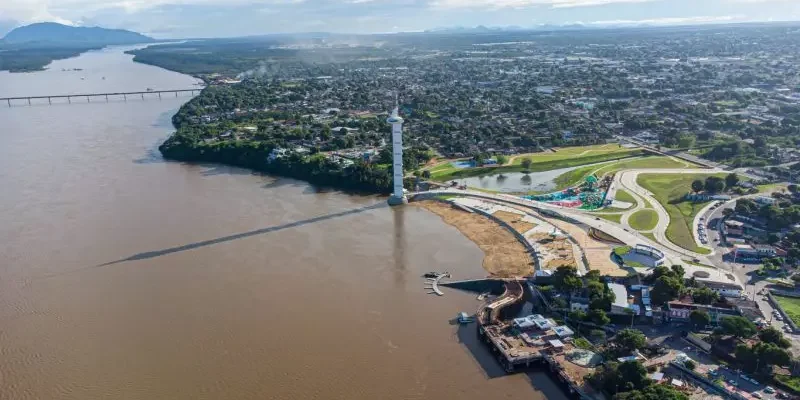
x: 398, y: 197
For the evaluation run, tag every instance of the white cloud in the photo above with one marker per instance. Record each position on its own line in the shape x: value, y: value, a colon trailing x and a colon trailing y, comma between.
x: 497, y: 4
x: 26, y: 11
x: 671, y: 21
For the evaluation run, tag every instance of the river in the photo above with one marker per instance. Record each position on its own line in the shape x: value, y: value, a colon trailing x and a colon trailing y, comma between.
x: 123, y: 276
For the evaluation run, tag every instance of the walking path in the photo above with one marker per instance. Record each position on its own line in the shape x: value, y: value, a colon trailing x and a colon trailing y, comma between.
x: 628, y: 180
x: 625, y: 235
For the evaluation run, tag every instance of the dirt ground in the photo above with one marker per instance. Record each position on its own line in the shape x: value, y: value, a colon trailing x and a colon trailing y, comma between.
x: 598, y: 253
x: 514, y: 220
x: 504, y: 255
x: 555, y: 252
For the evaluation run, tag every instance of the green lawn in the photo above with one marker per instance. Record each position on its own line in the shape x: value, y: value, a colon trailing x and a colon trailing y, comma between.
x: 669, y: 190
x: 650, y: 236
x: 574, y: 177
x: 791, y: 306
x: 791, y: 381
x: 643, y: 220
x: 623, y: 195
x: 569, y: 152
x: 649, y: 162
x: 771, y: 187
x: 565, y: 158
x: 622, y: 250
x: 610, y: 217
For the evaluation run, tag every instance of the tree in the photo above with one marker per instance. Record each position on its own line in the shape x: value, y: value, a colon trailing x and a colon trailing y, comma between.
x: 665, y: 289
x: 699, y: 318
x: 731, y: 180
x: 598, y: 317
x: 737, y: 326
x: 690, y: 365
x: 773, y: 238
x: 774, y: 336
x: 629, y: 340
x: 526, y: 163
x: 566, y: 279
x: 715, y: 184
x: 677, y: 271
x: 697, y: 185
x: 597, y: 335
x: 426, y: 174
x: 634, y: 375
x: 652, y: 392
x: 577, y: 315
x: 592, y: 276
x: 704, y: 295
x: 615, y: 377
x: 501, y: 159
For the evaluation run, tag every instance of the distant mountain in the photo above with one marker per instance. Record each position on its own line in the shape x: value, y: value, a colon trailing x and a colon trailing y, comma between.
x: 53, y: 33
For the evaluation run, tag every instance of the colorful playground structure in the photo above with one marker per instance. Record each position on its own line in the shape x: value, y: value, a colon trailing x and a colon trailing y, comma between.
x: 587, y: 196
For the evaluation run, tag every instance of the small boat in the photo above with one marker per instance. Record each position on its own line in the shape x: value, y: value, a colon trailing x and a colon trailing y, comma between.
x: 149, y: 89
x: 436, y: 274
x: 463, y: 318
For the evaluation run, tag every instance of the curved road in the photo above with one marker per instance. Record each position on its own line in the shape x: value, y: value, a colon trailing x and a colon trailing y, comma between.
x: 628, y: 236
x: 628, y: 180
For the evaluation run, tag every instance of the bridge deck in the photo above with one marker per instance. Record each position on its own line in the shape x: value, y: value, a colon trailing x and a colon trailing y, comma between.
x: 64, y: 96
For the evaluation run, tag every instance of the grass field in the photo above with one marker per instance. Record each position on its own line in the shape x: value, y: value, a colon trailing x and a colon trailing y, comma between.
x: 570, y: 157
x: 650, y: 236
x: 669, y: 189
x: 623, y: 195
x: 570, y: 152
x: 610, y: 217
x: 643, y: 220
x: 649, y: 162
x: 574, y: 177
x: 791, y: 306
x: 792, y: 382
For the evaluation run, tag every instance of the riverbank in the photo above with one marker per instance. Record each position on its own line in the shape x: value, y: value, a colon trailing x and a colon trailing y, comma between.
x: 504, y: 255
x: 318, y: 170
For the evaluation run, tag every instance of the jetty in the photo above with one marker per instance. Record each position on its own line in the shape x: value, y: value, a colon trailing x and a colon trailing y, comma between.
x: 433, y: 284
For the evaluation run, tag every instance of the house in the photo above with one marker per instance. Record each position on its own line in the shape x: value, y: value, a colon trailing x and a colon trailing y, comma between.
x: 620, y: 303
x: 765, y: 200
x: 755, y: 252
x: 679, y: 310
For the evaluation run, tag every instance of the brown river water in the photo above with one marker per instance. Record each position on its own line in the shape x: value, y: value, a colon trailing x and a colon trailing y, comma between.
x: 123, y: 276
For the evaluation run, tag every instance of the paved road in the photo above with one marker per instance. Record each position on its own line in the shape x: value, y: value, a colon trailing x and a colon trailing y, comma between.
x: 626, y: 235
x: 628, y: 180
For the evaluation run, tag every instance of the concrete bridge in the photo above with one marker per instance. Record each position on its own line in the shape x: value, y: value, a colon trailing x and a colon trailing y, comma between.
x: 89, y: 96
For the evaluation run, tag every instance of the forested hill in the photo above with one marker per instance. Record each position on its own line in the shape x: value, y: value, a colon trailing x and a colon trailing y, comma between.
x: 32, y: 47
x: 52, y: 33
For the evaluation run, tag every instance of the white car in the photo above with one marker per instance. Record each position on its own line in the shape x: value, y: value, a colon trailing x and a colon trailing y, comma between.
x: 769, y: 389
x: 756, y: 395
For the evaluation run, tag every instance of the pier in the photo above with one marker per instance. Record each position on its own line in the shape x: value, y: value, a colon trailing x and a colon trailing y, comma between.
x: 533, y: 341
x: 106, y: 96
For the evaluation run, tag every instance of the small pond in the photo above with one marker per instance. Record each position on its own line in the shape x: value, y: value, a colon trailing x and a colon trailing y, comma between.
x: 519, y: 181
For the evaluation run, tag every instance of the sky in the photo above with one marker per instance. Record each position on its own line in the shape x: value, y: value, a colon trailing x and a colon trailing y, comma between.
x: 227, y: 18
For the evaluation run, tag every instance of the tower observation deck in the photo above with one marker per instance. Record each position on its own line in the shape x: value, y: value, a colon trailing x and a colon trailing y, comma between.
x: 398, y: 197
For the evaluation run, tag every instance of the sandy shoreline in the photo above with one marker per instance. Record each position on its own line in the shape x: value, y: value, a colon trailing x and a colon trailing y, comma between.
x: 504, y: 255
